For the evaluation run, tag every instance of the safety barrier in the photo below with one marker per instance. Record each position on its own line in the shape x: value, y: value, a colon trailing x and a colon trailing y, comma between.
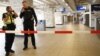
x: 52, y: 32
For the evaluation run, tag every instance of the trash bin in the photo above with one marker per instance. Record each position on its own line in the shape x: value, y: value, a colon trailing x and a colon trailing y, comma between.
x: 41, y: 25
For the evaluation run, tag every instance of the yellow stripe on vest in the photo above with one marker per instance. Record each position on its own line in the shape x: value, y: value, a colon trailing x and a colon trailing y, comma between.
x: 9, y: 20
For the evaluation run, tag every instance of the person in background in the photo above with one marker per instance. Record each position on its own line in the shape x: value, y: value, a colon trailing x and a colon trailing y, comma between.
x: 8, y: 19
x: 28, y: 14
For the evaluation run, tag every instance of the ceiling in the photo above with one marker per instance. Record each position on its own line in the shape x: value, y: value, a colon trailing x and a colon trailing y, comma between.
x: 94, y: 1
x: 53, y: 3
x: 74, y: 3
x: 78, y: 2
x: 87, y: 1
x: 4, y: 0
x: 71, y: 3
x: 50, y: 3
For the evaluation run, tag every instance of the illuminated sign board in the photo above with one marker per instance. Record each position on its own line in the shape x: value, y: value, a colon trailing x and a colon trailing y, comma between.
x: 81, y: 8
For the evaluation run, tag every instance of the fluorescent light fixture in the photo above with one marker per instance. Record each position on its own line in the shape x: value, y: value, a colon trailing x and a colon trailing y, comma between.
x: 38, y: 1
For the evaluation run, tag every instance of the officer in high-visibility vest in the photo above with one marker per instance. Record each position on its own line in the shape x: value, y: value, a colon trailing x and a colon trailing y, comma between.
x: 29, y: 15
x: 8, y: 19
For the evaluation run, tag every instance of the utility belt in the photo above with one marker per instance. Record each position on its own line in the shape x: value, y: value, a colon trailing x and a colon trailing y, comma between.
x: 10, y: 26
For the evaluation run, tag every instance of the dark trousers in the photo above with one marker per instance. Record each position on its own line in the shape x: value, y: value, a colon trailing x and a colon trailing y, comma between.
x: 9, y: 37
x: 29, y: 26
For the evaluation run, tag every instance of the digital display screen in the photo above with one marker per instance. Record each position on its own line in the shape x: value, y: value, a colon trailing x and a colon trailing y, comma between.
x: 95, y: 7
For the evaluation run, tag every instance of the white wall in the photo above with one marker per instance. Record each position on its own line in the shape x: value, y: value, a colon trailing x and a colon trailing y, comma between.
x: 49, y: 17
x: 2, y: 10
x: 93, y: 21
x: 65, y: 19
x: 90, y: 22
x: 40, y: 14
x: 58, y: 18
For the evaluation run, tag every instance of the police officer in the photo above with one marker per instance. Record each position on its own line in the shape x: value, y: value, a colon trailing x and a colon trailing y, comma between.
x: 8, y: 19
x: 28, y: 14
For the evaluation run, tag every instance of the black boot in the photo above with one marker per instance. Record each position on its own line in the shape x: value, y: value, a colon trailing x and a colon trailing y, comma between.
x: 7, y: 54
x: 12, y: 51
x: 25, y: 48
x: 35, y: 47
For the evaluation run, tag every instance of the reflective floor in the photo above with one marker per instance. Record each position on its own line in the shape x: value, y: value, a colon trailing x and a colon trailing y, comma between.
x: 76, y: 44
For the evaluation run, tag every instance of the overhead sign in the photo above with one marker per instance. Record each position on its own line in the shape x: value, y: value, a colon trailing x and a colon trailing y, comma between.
x: 81, y: 8
x: 95, y: 7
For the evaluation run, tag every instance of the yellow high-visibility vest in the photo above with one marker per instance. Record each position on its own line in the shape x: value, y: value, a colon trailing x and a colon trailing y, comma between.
x: 10, y: 19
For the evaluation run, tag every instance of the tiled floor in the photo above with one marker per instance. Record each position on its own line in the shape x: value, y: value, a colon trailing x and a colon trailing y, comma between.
x: 76, y: 44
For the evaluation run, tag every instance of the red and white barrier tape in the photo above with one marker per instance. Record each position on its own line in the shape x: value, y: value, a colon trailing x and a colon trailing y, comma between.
x: 54, y: 32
